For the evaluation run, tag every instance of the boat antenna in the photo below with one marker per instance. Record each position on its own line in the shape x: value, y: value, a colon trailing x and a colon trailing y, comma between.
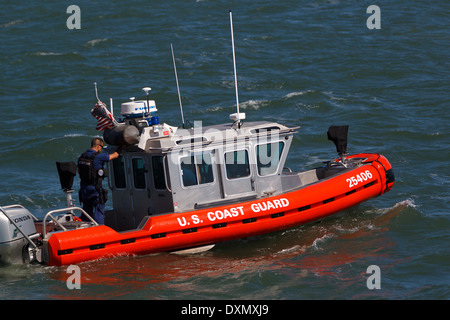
x: 178, y: 87
x: 235, y: 73
x: 96, y: 92
x: 146, y: 90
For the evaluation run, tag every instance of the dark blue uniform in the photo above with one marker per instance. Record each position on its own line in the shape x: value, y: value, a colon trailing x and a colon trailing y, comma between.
x: 90, y: 194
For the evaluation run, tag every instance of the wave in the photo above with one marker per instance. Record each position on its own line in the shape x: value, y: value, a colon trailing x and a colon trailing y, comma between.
x: 43, y: 54
x: 246, y: 105
x: 297, y: 93
x: 94, y: 42
x: 406, y: 203
x: 11, y: 23
x: 347, y: 225
x: 70, y: 56
x: 253, y: 104
x: 71, y: 135
x: 318, y: 241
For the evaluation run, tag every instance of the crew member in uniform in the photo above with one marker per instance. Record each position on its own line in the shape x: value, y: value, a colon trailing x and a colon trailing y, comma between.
x: 92, y: 172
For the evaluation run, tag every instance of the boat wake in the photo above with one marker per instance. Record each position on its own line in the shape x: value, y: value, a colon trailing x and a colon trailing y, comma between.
x: 350, y: 224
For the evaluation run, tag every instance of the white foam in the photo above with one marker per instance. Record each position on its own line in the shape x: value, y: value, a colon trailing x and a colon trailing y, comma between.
x: 11, y: 23
x: 405, y: 203
x: 297, y: 93
x: 253, y: 104
x: 47, y: 53
x: 71, y: 135
x: 94, y: 42
x: 320, y: 240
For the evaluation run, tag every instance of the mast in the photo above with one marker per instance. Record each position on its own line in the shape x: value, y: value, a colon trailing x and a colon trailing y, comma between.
x: 235, y: 72
x: 178, y: 87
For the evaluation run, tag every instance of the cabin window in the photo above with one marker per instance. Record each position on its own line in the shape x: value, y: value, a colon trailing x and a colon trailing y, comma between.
x: 196, y: 169
x: 236, y: 164
x: 188, y: 171
x: 119, y: 172
x: 158, y: 172
x: 138, y: 173
x: 268, y: 156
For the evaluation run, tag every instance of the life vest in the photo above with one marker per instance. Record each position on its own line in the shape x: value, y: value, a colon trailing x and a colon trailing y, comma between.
x: 88, y: 174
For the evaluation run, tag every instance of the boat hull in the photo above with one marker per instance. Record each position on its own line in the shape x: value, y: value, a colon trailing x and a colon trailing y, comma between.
x: 175, y: 231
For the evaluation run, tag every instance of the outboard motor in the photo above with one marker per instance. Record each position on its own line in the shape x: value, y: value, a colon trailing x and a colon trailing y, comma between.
x: 17, y: 235
x: 19, y: 240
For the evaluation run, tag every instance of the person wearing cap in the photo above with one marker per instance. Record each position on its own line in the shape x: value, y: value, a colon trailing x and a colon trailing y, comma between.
x: 92, y: 171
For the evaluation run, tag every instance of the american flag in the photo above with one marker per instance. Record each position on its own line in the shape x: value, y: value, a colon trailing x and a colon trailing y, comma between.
x: 105, y: 119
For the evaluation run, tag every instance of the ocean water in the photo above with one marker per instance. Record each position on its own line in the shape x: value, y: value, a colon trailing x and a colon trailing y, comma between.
x: 307, y: 63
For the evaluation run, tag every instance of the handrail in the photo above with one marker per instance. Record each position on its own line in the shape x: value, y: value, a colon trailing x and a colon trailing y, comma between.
x: 166, y: 173
x: 49, y: 214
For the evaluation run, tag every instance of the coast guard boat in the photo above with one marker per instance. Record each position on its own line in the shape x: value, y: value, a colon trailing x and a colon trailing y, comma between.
x: 175, y: 189
x: 178, y: 189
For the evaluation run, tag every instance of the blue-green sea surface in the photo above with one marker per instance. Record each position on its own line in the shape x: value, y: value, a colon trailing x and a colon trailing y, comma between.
x: 307, y: 63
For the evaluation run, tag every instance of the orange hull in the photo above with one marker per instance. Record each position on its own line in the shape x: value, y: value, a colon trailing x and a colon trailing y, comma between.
x: 177, y: 231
